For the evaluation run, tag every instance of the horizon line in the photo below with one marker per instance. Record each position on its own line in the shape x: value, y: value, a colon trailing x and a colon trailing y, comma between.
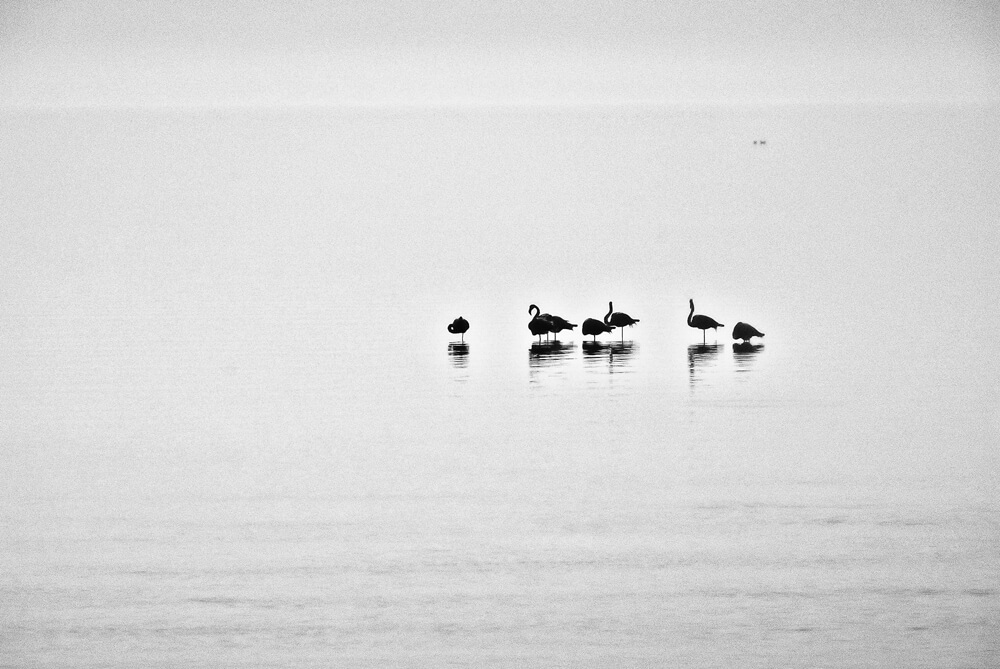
x: 463, y: 103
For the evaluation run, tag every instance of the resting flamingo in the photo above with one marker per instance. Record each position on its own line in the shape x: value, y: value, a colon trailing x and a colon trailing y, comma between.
x: 745, y: 331
x: 559, y: 324
x: 459, y: 326
x: 594, y: 327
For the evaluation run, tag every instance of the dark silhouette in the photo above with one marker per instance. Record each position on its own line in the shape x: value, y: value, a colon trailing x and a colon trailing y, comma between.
x: 459, y: 326
x: 619, y: 356
x: 459, y: 354
x: 701, y: 322
x: 548, y: 355
x: 547, y: 317
x: 745, y: 331
x: 699, y: 354
x: 744, y: 354
x: 539, y: 323
x: 614, y: 357
x: 559, y: 324
x: 745, y: 351
x: 594, y: 327
x: 618, y: 319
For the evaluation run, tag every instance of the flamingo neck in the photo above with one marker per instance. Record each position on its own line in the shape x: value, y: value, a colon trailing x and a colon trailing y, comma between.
x: 691, y: 315
x: 607, y: 316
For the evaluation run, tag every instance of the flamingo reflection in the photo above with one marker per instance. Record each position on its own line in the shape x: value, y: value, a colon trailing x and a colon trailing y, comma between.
x: 458, y: 353
x: 548, y: 354
x: 616, y: 356
x: 700, y: 358
x: 744, y: 354
x: 545, y: 360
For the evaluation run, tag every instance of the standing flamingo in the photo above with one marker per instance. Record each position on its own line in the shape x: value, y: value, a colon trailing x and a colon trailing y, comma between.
x: 459, y: 326
x: 745, y: 331
x: 559, y: 324
x: 539, y: 324
x: 594, y: 327
x: 618, y: 319
x: 701, y: 322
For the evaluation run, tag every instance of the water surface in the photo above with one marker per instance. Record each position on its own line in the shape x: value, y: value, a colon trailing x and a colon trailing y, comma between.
x: 235, y: 430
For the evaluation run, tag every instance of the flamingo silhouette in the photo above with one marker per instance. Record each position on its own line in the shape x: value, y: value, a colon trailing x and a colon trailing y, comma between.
x: 559, y: 324
x: 701, y: 322
x: 459, y: 326
x: 594, y: 327
x: 539, y: 323
x: 618, y: 319
x: 745, y: 331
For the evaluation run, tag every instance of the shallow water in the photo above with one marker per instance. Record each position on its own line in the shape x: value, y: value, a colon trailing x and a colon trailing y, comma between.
x: 236, y: 431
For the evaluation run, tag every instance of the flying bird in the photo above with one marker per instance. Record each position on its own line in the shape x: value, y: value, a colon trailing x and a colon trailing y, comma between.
x: 594, y: 327
x: 618, y: 319
x: 459, y: 326
x: 745, y: 331
x: 701, y: 322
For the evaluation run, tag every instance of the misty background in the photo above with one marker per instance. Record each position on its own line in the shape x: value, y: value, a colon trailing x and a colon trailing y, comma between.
x: 234, y: 427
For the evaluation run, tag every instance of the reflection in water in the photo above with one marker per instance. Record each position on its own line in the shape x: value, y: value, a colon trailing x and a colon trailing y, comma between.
x: 459, y: 354
x: 744, y: 354
x: 547, y: 354
x: 546, y: 357
x: 621, y: 356
x: 592, y: 349
x: 700, y: 357
x: 615, y: 356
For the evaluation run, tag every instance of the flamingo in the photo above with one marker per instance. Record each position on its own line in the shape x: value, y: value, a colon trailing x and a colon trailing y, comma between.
x: 745, y: 331
x: 547, y: 317
x: 539, y: 323
x: 594, y: 327
x: 559, y: 324
x: 701, y: 322
x: 459, y: 326
x: 618, y: 319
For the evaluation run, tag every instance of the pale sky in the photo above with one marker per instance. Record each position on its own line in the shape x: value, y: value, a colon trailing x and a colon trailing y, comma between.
x: 104, y: 52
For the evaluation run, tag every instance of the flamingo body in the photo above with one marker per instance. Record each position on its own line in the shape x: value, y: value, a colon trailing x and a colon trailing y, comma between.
x: 539, y: 323
x: 745, y: 331
x: 594, y: 327
x: 618, y: 319
x: 559, y: 324
x: 459, y: 326
x: 702, y: 322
